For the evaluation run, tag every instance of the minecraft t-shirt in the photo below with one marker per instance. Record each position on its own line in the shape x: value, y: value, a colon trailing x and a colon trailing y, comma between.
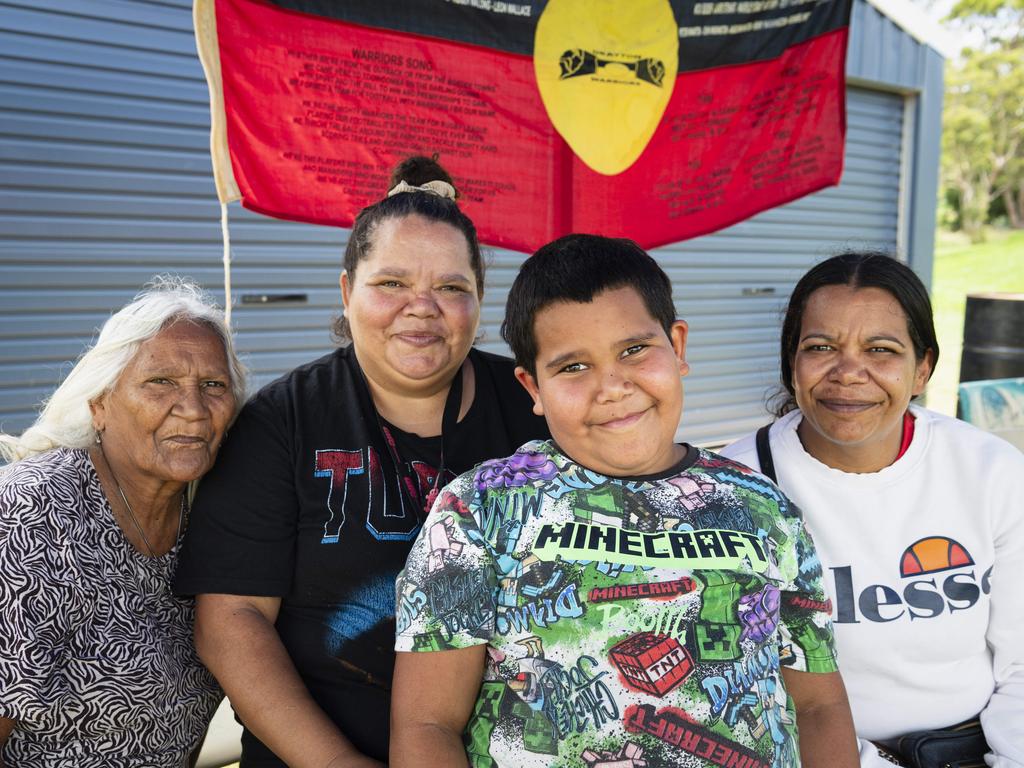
x: 635, y: 622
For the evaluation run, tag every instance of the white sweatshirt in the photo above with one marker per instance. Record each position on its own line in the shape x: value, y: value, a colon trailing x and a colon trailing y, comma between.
x: 924, y: 561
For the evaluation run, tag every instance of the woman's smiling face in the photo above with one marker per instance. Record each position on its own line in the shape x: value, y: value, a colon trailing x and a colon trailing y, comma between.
x: 413, y: 305
x: 854, y: 374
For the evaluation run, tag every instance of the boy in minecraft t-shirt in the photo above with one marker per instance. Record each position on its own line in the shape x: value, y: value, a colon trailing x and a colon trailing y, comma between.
x: 611, y: 598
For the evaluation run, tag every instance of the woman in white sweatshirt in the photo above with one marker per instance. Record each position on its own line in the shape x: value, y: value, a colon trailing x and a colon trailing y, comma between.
x: 918, y: 518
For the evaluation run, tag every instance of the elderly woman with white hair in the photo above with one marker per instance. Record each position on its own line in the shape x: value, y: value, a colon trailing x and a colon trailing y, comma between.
x: 97, y: 664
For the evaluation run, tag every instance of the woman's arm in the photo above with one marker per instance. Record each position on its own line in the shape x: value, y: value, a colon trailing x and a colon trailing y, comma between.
x: 6, y: 729
x: 1003, y: 722
x: 827, y: 738
x: 1003, y: 717
x: 237, y: 640
x: 431, y: 700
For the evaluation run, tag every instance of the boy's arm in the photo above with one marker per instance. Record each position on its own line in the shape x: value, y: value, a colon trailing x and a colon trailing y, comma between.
x: 432, y: 697
x: 823, y: 719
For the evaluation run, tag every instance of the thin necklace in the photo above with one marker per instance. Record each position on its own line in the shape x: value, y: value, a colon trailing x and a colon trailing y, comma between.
x: 131, y: 512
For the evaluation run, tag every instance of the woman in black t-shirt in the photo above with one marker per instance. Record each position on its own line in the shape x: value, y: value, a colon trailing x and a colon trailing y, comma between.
x: 303, y: 524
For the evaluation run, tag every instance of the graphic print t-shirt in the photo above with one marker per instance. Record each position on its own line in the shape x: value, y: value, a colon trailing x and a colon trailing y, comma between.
x: 304, y: 503
x: 633, y: 622
x: 97, y: 665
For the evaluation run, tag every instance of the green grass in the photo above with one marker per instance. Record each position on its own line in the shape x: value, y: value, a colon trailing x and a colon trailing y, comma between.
x: 962, y: 268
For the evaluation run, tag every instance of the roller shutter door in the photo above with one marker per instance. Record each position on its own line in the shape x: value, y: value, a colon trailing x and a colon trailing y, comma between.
x: 105, y: 181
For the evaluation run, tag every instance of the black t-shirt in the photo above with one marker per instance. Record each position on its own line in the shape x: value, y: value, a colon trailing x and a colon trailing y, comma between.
x: 304, y: 504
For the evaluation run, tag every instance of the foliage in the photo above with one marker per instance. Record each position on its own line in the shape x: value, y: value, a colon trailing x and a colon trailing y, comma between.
x: 997, y: 19
x: 983, y: 122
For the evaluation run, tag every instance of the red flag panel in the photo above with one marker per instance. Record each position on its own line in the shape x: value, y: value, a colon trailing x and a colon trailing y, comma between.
x: 316, y: 110
x: 734, y: 141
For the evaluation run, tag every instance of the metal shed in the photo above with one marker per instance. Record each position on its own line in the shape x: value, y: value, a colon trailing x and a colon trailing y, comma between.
x: 105, y: 180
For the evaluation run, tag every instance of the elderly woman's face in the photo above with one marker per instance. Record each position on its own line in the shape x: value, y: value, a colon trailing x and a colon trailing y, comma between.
x: 412, y: 305
x: 166, y: 416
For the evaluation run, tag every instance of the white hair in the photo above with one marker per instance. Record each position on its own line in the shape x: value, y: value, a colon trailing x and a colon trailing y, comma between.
x: 65, y: 420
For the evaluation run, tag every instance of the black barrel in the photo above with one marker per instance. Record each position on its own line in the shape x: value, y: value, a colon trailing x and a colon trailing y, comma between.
x: 993, y: 337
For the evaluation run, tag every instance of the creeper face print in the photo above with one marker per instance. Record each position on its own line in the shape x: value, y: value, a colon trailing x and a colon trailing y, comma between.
x: 717, y: 635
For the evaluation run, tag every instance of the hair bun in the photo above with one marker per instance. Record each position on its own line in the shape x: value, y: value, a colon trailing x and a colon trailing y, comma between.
x: 418, y: 170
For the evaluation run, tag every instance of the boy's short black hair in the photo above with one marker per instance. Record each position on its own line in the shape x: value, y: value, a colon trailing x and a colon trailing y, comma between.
x: 577, y: 268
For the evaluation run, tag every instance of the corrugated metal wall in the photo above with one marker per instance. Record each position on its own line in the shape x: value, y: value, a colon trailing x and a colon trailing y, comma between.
x: 105, y: 180
x: 883, y: 54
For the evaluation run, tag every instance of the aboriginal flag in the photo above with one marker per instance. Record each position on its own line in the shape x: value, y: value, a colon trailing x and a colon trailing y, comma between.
x: 657, y: 120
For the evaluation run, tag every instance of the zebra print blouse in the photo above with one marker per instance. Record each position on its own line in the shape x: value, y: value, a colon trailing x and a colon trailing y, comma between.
x: 97, y: 665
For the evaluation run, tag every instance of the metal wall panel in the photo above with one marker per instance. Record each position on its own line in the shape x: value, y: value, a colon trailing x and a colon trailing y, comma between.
x: 105, y: 180
x: 883, y: 54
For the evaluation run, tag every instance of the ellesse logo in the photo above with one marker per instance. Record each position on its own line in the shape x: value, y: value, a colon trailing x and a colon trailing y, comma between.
x: 922, y: 594
x: 933, y: 554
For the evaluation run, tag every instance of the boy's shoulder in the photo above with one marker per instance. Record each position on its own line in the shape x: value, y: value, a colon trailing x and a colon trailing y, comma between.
x: 539, y: 461
x: 710, y: 460
x: 767, y: 505
x: 722, y: 470
x: 532, y: 463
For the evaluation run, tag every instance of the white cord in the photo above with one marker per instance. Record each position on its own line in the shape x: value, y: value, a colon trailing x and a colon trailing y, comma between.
x: 227, y: 262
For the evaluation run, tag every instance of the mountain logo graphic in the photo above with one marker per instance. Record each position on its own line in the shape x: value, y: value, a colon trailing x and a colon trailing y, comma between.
x: 932, y: 555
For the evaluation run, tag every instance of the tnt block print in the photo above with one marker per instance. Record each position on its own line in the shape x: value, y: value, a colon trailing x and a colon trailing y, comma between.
x: 652, y: 663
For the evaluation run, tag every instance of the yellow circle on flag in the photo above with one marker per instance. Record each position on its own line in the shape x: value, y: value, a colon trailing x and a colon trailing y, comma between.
x: 605, y: 70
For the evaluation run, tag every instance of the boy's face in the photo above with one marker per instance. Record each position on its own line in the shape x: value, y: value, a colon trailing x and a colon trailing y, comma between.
x: 608, y: 382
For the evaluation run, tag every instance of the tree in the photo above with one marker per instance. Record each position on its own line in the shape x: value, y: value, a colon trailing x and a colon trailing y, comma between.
x: 996, y: 19
x: 967, y: 164
x: 983, y: 122
x: 983, y: 134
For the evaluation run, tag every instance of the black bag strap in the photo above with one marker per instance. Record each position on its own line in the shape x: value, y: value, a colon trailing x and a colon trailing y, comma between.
x: 764, y: 453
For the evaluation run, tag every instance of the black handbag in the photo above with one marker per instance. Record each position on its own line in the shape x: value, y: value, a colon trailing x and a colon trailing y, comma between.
x: 958, y: 746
